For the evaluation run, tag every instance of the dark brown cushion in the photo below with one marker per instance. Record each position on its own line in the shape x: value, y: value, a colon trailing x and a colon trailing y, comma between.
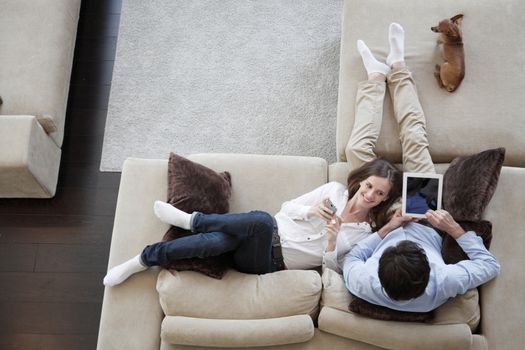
x: 194, y: 187
x: 365, y: 308
x: 470, y: 182
x: 468, y: 186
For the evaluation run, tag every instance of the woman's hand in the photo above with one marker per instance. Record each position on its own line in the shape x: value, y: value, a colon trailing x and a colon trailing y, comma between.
x: 396, y: 221
x: 332, y: 229
x: 322, y: 211
x: 441, y: 219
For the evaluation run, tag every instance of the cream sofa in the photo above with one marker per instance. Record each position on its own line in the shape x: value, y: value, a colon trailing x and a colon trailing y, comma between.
x: 37, y: 39
x: 485, y: 112
x: 132, y: 316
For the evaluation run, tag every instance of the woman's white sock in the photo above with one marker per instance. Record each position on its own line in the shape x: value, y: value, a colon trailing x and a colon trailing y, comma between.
x: 371, y: 64
x: 120, y: 273
x: 169, y: 214
x: 396, y: 37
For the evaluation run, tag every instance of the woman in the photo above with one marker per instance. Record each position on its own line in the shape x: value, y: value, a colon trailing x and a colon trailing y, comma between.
x: 309, y: 233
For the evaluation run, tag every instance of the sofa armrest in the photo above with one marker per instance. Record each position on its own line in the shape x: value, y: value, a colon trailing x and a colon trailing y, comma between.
x: 395, y: 335
x: 502, y: 303
x: 131, y: 314
x: 237, y: 333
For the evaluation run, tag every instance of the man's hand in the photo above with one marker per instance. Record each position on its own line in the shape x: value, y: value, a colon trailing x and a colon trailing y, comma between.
x: 322, y: 211
x: 332, y: 229
x: 396, y: 221
x: 442, y: 220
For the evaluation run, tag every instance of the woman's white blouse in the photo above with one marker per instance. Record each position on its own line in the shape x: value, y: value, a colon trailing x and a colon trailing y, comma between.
x: 304, y: 239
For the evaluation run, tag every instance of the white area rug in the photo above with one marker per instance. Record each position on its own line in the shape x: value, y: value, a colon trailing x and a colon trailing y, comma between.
x: 241, y: 76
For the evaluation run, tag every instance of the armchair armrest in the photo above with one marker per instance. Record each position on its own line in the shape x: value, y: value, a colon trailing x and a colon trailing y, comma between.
x: 29, y: 158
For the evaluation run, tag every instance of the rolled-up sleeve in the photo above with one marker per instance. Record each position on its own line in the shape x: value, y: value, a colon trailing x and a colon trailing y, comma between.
x: 298, y: 208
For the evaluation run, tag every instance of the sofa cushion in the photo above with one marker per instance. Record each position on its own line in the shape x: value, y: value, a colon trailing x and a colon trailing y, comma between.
x: 472, y: 118
x: 195, y: 187
x: 238, y: 295
x: 463, y: 309
x: 210, y: 333
x: 395, y: 335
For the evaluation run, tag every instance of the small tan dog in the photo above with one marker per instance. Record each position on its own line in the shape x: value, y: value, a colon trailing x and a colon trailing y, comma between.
x: 450, y: 74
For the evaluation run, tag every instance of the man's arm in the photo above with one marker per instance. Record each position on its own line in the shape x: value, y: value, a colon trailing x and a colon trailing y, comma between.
x: 364, y: 249
x: 467, y: 274
x: 354, y: 262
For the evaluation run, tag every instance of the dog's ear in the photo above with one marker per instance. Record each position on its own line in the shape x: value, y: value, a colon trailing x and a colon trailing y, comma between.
x: 457, y: 19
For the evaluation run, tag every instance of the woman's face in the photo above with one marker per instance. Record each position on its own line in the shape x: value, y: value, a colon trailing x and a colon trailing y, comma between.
x: 372, y: 191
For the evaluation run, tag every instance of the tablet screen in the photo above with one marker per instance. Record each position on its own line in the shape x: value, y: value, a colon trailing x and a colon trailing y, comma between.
x: 421, y: 192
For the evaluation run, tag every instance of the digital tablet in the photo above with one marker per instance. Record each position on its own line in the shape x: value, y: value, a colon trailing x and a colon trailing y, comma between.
x: 421, y: 192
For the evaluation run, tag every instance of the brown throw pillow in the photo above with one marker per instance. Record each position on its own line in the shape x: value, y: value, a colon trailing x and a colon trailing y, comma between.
x: 363, y: 307
x: 468, y: 186
x: 194, y: 187
x: 470, y: 182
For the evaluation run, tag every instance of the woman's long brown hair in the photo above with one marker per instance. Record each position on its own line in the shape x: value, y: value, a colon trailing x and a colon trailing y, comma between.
x: 382, y: 168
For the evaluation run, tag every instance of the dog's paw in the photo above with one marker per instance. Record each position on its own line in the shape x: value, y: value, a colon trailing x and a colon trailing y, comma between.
x: 437, y: 75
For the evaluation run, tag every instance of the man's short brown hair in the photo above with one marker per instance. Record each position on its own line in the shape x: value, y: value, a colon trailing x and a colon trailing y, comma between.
x: 404, y: 270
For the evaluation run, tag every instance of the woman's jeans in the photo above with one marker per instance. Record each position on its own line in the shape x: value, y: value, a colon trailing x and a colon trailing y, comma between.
x: 248, y: 235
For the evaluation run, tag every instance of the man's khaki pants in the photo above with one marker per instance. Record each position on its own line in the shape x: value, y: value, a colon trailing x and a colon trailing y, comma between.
x: 409, y: 116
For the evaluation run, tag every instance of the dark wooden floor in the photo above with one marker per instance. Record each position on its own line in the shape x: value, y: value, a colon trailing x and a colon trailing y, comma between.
x: 54, y: 252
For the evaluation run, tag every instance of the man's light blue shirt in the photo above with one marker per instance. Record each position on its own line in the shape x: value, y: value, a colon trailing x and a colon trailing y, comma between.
x: 446, y: 281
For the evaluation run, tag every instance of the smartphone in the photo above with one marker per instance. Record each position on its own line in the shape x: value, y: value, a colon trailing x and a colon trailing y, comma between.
x: 331, y: 205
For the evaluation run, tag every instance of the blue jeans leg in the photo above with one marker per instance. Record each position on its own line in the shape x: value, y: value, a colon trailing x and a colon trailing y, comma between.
x: 200, y: 245
x: 254, y: 230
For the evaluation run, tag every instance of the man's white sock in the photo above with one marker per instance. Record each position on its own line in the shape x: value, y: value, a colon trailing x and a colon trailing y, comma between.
x: 371, y: 64
x: 396, y: 37
x: 169, y: 214
x: 121, y: 272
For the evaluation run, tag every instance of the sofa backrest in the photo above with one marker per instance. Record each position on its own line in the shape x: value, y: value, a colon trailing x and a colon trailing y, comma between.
x: 262, y: 182
x: 486, y: 111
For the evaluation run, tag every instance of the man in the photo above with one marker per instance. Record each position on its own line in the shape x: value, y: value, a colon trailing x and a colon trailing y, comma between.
x: 400, y: 266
